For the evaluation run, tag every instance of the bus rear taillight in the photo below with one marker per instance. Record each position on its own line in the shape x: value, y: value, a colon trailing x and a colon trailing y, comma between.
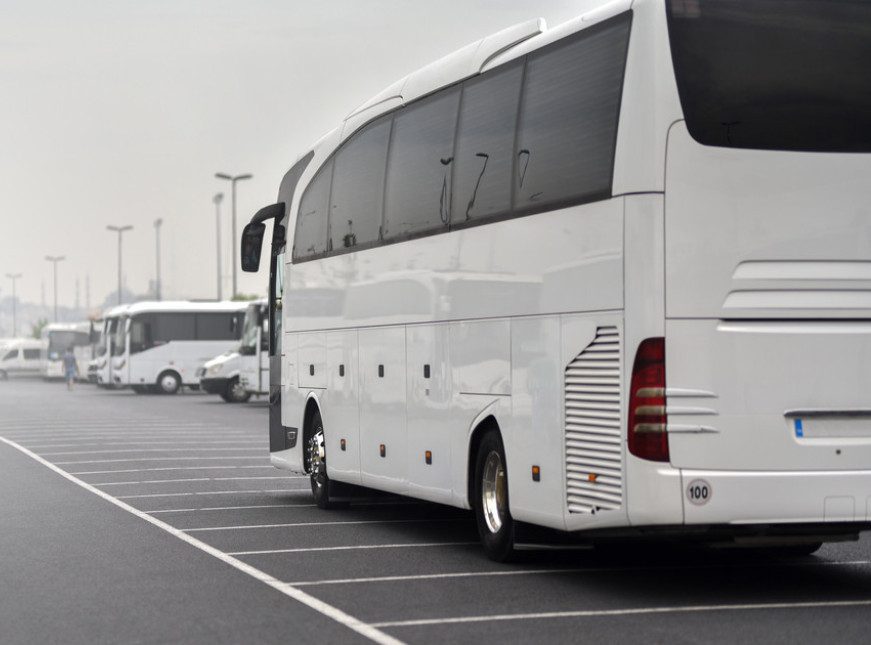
x: 648, y: 437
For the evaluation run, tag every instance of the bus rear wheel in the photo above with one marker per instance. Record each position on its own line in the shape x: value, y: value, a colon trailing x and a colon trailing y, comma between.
x: 168, y: 382
x: 495, y: 524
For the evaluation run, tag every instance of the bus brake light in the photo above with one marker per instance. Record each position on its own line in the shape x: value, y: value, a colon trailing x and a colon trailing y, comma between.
x: 648, y: 436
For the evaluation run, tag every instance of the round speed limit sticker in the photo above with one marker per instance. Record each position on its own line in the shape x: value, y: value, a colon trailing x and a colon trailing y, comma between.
x: 699, y: 492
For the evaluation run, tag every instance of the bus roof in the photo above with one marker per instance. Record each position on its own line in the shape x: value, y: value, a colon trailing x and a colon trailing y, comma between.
x: 185, y: 306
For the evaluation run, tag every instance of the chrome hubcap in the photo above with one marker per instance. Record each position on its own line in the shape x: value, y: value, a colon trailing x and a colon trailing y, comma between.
x: 493, y: 492
x: 317, y: 458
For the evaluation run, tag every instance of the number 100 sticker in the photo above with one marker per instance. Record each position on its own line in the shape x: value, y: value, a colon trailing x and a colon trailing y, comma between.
x: 699, y: 492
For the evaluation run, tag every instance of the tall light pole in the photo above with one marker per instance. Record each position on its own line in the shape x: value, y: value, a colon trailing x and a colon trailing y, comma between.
x: 233, y: 181
x: 157, y: 224
x: 218, y: 199
x: 55, y: 259
x: 119, y: 230
x: 13, y: 277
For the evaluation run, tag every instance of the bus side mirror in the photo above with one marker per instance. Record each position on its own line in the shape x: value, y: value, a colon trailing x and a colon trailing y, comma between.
x: 252, y: 242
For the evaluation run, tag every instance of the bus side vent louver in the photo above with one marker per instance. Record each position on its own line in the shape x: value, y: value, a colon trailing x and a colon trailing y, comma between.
x: 593, y: 433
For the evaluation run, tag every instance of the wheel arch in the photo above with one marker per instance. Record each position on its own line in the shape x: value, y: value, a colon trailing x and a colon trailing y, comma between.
x: 480, y: 428
x: 312, y: 405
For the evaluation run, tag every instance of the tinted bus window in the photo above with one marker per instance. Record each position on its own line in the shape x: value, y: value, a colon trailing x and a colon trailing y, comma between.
x: 485, y: 141
x: 774, y: 74
x: 217, y: 326
x: 568, y: 118
x: 311, y: 222
x: 417, y: 198
x: 358, y: 183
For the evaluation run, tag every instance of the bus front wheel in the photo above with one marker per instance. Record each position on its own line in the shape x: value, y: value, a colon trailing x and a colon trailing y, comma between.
x: 316, y: 464
x: 495, y: 525
x: 235, y: 392
x: 169, y: 382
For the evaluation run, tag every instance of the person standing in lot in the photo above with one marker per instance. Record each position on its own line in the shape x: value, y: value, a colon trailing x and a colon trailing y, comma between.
x: 71, y: 367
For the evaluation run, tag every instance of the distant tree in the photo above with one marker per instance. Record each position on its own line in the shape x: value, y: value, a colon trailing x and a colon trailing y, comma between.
x: 36, y: 328
x: 243, y: 297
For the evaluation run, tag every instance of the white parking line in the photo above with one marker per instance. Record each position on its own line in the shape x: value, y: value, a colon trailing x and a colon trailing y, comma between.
x: 259, y: 449
x: 420, y: 545
x: 229, y: 508
x: 327, y: 610
x: 213, y: 492
x: 258, y: 442
x: 305, y: 524
x: 198, y: 479
x: 620, y: 612
x: 533, y: 572
x: 171, y: 468
x: 122, y: 461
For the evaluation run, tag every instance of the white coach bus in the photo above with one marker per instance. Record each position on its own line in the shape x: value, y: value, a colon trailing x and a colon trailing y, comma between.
x: 158, y: 346
x: 57, y: 338
x: 105, y: 348
x: 680, y: 191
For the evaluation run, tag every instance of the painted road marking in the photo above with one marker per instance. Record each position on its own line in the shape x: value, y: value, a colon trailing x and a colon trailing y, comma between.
x: 321, y: 607
x: 621, y: 612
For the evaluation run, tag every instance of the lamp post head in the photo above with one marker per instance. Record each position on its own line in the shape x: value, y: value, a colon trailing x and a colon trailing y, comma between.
x: 223, y: 175
x: 55, y: 258
x: 158, y: 222
x: 218, y: 198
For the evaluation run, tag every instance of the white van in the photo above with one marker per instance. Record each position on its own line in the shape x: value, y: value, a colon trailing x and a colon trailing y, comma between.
x: 221, y: 375
x: 20, y: 356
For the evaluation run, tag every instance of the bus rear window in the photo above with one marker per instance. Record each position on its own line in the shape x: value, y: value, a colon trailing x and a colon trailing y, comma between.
x: 774, y: 74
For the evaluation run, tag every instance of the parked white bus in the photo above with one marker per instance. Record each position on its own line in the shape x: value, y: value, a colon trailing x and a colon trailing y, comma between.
x: 159, y: 346
x: 254, y: 349
x: 107, y: 348
x: 58, y: 337
x: 680, y: 192
x: 20, y: 357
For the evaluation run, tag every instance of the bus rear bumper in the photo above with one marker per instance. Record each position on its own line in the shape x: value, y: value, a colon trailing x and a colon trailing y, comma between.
x: 806, y: 497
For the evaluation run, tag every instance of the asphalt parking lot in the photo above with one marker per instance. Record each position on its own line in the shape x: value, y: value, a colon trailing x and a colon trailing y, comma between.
x: 157, y: 519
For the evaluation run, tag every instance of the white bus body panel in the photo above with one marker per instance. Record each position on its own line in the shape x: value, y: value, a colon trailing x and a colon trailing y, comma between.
x: 183, y: 357
x: 768, y: 342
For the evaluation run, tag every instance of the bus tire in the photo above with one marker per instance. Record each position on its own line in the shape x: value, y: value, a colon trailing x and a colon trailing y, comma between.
x: 495, y: 525
x: 168, y: 382
x: 235, y: 392
x: 316, y: 465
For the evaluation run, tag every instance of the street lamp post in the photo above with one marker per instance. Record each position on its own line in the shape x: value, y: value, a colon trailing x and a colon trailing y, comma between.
x: 157, y: 224
x: 218, y: 199
x: 119, y: 230
x: 13, y: 277
x: 55, y: 259
x: 233, y: 181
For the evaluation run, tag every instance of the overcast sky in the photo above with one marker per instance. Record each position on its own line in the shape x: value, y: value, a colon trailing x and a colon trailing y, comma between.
x: 119, y: 112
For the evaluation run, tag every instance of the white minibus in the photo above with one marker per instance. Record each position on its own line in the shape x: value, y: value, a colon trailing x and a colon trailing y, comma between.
x: 159, y: 346
x: 611, y: 279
